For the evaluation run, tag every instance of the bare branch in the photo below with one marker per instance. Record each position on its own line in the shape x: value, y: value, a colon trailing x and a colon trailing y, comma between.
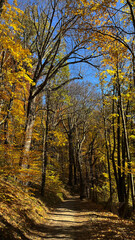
x: 69, y: 80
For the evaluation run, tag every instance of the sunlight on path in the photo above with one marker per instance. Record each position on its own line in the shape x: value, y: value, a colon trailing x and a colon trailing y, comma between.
x: 79, y: 220
x: 66, y: 221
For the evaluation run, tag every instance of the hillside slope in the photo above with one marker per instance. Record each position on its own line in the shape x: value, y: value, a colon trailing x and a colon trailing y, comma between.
x: 19, y: 212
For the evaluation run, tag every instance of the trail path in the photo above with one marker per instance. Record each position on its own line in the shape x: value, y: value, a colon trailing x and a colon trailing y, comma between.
x: 82, y: 220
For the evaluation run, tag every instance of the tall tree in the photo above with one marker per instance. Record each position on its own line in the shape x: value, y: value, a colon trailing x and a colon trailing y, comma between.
x: 45, y: 45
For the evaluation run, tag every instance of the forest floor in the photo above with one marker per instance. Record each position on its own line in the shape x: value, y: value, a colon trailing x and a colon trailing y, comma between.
x: 25, y: 217
x: 75, y: 219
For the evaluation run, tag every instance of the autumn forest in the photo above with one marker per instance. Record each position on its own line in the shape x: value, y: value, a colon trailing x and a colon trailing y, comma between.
x: 67, y: 103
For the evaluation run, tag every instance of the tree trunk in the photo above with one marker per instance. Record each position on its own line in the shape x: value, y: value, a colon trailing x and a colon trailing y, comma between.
x: 91, y: 174
x: 127, y: 146
x: 24, y: 160
x: 114, y: 147
x: 82, y: 184
x: 123, y: 163
x: 107, y: 148
x: 128, y: 156
x: 75, y: 176
x: 45, y: 146
x: 120, y: 192
x: 71, y: 159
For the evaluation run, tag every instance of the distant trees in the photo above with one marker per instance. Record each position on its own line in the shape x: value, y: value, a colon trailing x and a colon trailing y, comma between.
x: 75, y: 119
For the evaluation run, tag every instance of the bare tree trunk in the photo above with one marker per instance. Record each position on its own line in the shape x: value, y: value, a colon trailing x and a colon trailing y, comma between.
x: 82, y: 184
x: 107, y: 148
x: 114, y: 147
x: 91, y: 170
x: 45, y: 146
x: 120, y: 192
x: 75, y: 172
x: 24, y: 160
x: 128, y: 157
x: 127, y: 146
x: 71, y: 159
x: 79, y: 143
x: 123, y: 164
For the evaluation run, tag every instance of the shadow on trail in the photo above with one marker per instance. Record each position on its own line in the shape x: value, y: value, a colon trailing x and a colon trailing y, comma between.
x: 77, y: 205
x: 86, y: 232
x: 72, y: 232
x: 73, y: 220
x: 82, y: 220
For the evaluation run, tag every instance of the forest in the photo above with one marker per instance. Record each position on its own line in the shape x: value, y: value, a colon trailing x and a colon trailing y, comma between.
x: 67, y: 104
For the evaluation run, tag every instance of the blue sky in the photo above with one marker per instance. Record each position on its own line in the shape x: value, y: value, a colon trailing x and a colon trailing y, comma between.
x: 88, y: 72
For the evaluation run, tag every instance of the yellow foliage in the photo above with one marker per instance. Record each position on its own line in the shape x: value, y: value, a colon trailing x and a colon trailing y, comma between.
x: 59, y: 138
x: 12, y: 55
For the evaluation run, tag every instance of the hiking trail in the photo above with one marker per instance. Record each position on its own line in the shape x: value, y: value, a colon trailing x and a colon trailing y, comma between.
x: 82, y: 220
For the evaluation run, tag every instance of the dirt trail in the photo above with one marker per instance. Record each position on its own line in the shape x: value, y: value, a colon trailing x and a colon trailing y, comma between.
x: 82, y: 220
